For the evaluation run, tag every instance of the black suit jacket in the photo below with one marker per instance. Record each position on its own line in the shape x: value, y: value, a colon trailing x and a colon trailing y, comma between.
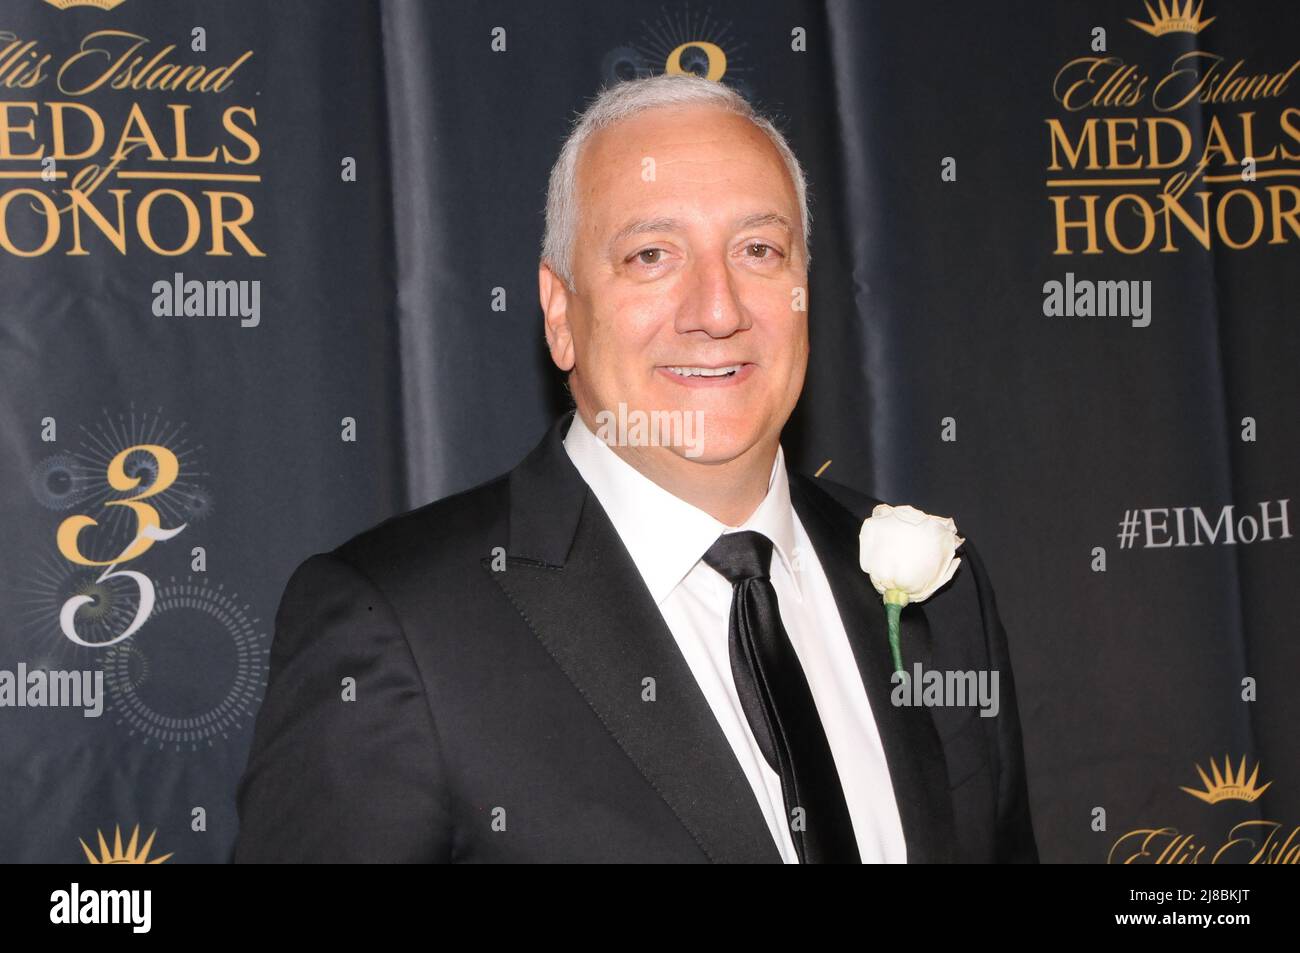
x: 499, y: 715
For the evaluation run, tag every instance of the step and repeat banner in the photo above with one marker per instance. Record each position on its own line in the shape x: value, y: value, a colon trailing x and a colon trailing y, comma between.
x: 268, y: 276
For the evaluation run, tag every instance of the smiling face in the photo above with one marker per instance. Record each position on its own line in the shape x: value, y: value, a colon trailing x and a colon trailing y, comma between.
x: 687, y: 261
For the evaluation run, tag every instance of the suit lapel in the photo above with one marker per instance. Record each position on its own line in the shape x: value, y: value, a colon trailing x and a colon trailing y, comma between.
x: 574, y: 582
x: 912, y: 747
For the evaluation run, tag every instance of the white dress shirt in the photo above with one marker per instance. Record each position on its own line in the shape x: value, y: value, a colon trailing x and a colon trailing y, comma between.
x: 666, y: 538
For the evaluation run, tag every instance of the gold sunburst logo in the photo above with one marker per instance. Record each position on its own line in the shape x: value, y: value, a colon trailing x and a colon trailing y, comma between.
x: 1228, y: 785
x: 130, y: 855
x: 1173, y: 19
x: 101, y: 4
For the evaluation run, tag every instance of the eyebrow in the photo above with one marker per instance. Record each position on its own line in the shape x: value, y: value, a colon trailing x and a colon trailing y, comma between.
x: 641, y: 226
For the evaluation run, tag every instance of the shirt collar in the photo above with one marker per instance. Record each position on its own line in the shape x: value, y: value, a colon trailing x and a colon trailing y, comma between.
x: 665, y: 535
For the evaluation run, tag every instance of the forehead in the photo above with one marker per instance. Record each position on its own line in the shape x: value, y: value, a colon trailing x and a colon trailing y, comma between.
x: 699, y: 154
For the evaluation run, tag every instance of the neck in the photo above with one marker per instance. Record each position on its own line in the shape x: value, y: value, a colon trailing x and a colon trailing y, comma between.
x: 729, y: 491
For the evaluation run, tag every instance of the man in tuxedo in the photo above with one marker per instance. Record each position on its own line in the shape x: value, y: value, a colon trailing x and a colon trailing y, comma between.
x: 629, y: 648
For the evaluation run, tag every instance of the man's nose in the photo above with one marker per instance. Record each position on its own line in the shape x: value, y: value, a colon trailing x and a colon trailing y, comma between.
x: 712, y: 303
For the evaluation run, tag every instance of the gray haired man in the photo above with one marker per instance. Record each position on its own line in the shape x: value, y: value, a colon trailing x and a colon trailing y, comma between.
x: 649, y: 641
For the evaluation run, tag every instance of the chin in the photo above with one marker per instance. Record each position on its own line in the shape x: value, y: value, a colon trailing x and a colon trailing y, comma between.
x: 721, y: 442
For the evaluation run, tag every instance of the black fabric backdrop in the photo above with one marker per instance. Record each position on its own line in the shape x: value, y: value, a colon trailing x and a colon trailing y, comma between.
x: 927, y: 317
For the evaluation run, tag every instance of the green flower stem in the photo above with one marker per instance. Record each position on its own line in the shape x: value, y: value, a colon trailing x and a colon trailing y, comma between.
x: 895, y: 599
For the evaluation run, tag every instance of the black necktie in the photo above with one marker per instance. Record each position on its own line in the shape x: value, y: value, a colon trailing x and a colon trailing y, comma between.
x: 778, y: 703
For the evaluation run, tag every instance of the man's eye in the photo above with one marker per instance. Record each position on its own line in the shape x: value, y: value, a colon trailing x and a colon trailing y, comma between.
x: 648, y: 251
x: 752, y: 245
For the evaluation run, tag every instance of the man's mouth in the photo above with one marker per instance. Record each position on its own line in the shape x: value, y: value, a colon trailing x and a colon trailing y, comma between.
x: 728, y: 370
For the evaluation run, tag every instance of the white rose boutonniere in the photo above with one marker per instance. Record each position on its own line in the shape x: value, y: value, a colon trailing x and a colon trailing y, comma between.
x: 908, y: 555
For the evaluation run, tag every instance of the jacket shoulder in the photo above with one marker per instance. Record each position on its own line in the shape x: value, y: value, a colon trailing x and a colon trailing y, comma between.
x: 861, y: 504
x: 435, y: 533
x: 857, y: 503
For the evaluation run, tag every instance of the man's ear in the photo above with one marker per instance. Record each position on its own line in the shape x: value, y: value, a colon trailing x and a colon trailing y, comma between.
x: 555, y: 315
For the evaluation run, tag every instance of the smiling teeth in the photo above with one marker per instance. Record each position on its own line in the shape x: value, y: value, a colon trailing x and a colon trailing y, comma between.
x: 705, y: 371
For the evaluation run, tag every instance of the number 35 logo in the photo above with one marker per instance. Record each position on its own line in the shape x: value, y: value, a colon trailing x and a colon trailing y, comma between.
x: 148, y: 531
